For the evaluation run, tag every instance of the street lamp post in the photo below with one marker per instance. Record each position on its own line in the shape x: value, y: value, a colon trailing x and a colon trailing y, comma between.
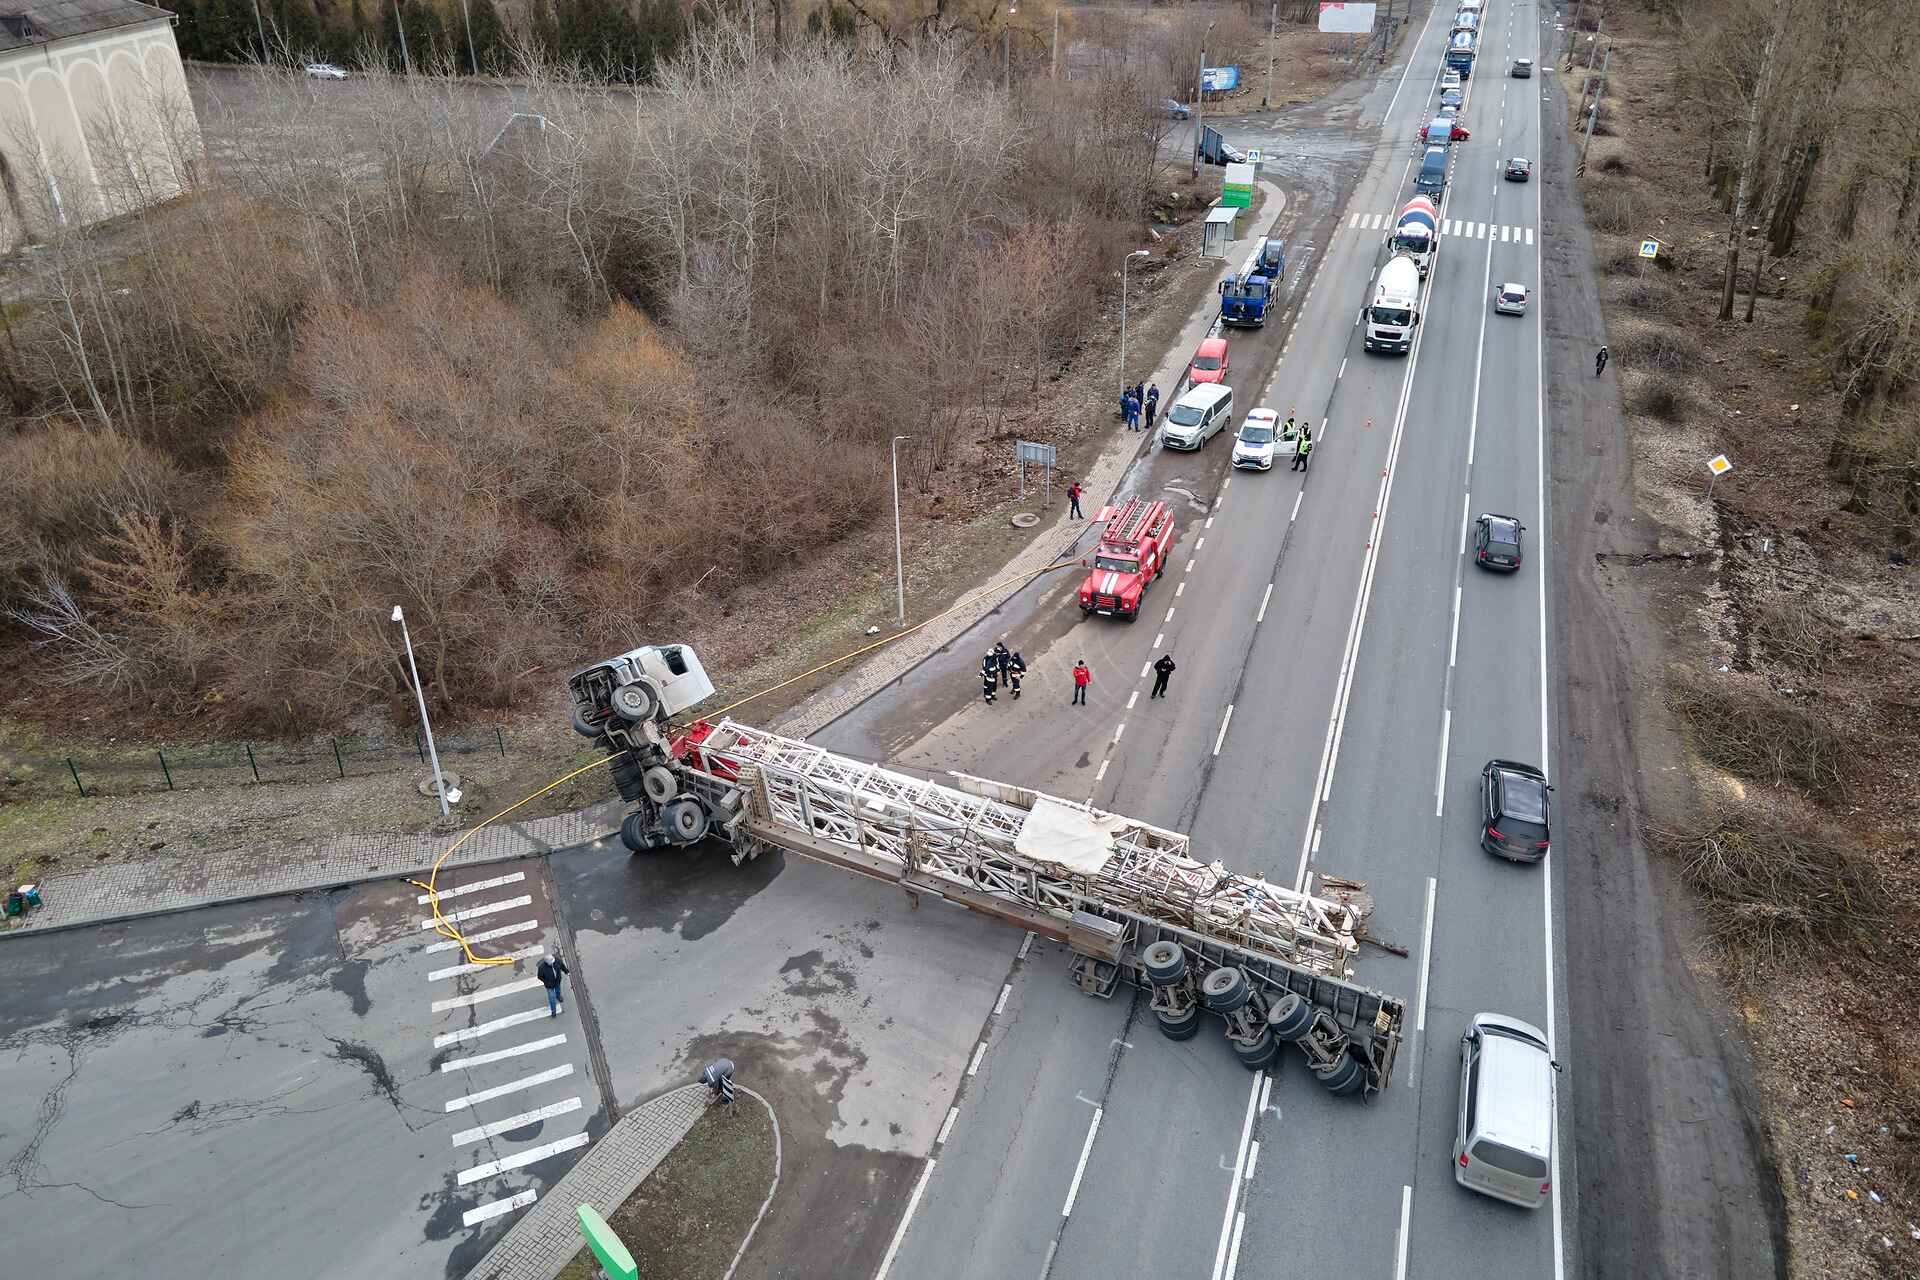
x: 1200, y: 98
x: 899, y: 562
x: 1124, y: 264
x: 1006, y: 49
x: 420, y: 695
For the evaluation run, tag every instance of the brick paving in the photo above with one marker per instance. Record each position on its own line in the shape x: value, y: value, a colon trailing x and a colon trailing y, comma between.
x: 547, y: 1236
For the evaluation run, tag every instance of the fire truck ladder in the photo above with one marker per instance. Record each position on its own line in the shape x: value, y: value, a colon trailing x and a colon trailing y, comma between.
x: 1130, y: 900
x: 1134, y: 518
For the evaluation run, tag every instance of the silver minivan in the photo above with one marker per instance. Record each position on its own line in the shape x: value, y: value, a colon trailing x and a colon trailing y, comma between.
x: 1196, y: 417
x: 1503, y: 1146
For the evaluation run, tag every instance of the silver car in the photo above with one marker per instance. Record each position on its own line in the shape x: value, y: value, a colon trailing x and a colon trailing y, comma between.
x: 1511, y: 299
x: 325, y: 71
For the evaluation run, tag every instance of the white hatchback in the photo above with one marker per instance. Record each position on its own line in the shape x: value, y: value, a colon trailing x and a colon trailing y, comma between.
x: 325, y: 71
x: 1511, y: 299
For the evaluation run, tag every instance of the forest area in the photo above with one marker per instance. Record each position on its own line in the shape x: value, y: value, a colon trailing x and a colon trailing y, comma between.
x: 1764, y: 145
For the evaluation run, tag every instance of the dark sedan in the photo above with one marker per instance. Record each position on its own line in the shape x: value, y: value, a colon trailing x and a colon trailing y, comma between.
x: 1496, y: 542
x: 1514, y: 801
x: 1519, y: 169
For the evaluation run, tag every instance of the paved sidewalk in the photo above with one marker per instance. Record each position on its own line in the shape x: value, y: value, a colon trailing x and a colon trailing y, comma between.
x: 1102, y: 478
x: 548, y: 1235
x: 158, y: 886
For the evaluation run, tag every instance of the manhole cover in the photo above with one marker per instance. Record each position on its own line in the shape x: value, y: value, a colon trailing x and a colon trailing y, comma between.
x: 451, y: 780
x: 1025, y: 520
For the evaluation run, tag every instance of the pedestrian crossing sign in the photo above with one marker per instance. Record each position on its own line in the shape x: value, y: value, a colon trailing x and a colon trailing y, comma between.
x: 1649, y: 248
x: 1719, y: 464
x: 1253, y: 156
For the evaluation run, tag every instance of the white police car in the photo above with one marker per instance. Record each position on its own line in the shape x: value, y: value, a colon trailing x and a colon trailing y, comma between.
x: 1258, y: 440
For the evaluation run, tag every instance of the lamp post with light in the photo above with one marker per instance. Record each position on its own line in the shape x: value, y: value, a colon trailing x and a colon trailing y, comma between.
x: 420, y: 695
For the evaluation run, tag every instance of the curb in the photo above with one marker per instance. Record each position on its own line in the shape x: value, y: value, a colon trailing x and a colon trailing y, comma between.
x: 772, y: 1187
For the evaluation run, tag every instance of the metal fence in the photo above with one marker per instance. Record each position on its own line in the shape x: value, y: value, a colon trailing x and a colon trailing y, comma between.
x: 134, y: 771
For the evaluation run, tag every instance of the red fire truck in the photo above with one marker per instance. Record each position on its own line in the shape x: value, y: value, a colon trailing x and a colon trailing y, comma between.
x: 1133, y: 552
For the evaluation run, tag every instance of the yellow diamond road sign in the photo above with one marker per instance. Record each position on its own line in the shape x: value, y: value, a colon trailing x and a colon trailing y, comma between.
x: 1719, y: 464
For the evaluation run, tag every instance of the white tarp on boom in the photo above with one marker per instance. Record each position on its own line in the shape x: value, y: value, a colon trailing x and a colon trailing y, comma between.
x: 1068, y: 836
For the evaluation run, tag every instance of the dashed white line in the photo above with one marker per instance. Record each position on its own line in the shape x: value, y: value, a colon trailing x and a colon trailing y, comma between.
x: 1133, y: 698
x: 1122, y: 728
x: 511, y: 1123
x: 1317, y: 833
x: 1209, y: 522
x: 505, y: 931
x: 474, y: 913
x: 1343, y: 369
x: 1298, y: 498
x: 1453, y: 644
x: 1157, y: 638
x: 522, y: 1159
x: 1189, y: 566
x: 487, y: 1028
x: 1169, y: 617
x: 1440, y: 769
x: 1253, y: 1158
x: 913, y: 1202
x: 524, y: 953
x: 953, y: 1113
x: 494, y: 1208
x: 1233, y: 1187
x: 1466, y: 519
x: 1100, y: 774
x: 1080, y: 1170
x: 1201, y: 543
x: 1225, y: 483
x: 1426, y: 958
x: 501, y: 1055
x: 479, y: 886
x: 1025, y: 943
x: 461, y: 1103
x: 1006, y: 990
x: 979, y: 1052
x: 1180, y: 590
x: 484, y: 995
x: 1268, y: 595
x: 1222, y: 736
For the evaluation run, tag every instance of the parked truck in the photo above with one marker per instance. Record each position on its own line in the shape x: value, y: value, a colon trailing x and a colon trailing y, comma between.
x: 1271, y: 260
x: 1390, y: 318
x: 1132, y: 552
x: 1131, y: 902
x: 1432, y: 178
x: 1215, y: 149
x: 1244, y: 300
x: 1416, y: 233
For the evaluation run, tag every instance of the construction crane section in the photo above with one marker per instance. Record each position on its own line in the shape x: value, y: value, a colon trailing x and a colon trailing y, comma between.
x: 1130, y: 900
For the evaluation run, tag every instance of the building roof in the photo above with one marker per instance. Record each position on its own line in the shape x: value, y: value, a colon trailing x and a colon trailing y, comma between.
x: 24, y: 23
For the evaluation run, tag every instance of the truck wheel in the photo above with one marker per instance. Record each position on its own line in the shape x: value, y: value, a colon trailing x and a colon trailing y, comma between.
x: 583, y: 726
x: 636, y: 832
x: 660, y: 784
x: 634, y: 702
x: 685, y: 821
x: 1165, y: 963
x: 626, y: 777
x: 1181, y: 1028
x: 1225, y: 989
x: 1344, y: 1076
x: 1133, y: 616
x: 1290, y: 1017
x: 1260, y: 1054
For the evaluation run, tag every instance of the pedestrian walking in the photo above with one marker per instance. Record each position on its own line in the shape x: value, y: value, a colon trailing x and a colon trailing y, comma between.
x: 718, y: 1077
x: 1002, y: 660
x: 989, y: 676
x: 550, y: 970
x: 1015, y: 669
x: 1162, y: 672
x: 1600, y: 361
x: 1153, y: 403
x: 1073, y: 499
x: 1082, y: 677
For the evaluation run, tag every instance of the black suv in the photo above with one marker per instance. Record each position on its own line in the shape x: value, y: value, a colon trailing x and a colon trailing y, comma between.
x: 1496, y: 542
x: 1514, y: 800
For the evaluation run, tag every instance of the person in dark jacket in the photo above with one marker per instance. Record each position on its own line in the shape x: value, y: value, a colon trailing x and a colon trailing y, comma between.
x: 989, y: 676
x: 550, y: 970
x: 1015, y: 669
x: 1162, y: 672
x: 1002, y: 660
x: 1153, y: 404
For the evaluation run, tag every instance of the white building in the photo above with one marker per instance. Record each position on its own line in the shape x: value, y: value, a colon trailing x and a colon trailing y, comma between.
x: 95, y: 119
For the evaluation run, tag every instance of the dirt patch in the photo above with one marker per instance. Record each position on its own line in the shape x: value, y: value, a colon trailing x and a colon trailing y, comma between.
x: 686, y: 1221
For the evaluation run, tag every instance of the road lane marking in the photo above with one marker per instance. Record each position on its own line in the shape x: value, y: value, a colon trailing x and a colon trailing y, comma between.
x: 953, y: 1113
x: 1426, y: 960
x: 1006, y: 989
x: 488, y: 1028
x: 511, y: 1123
x: 1168, y: 618
x: 1189, y: 566
x: 501, y: 1055
x: 1466, y: 515
x: 1222, y: 737
x: 1122, y: 728
x: 1101, y: 773
x: 1297, y: 499
x: 481, y: 997
x: 1268, y: 595
x: 505, y: 931
x: 1253, y: 1158
x: 1400, y: 1249
x: 1025, y: 943
x: 1180, y: 590
x: 478, y: 886
x: 1080, y: 1170
x: 1266, y: 1089
x: 474, y: 913
x: 979, y: 1052
x: 1343, y: 369
x: 461, y: 1103
x: 524, y: 953
x: 900, y: 1232
x: 1225, y: 483
x: 1200, y: 544
x: 524, y: 1158
x: 1133, y: 698
x: 1158, y: 637
x: 1529, y: 235
x: 1239, y: 1163
x: 1440, y: 769
x: 1209, y: 522
x: 1317, y: 833
x: 494, y: 1208
x: 1453, y: 645
x: 1233, y: 1254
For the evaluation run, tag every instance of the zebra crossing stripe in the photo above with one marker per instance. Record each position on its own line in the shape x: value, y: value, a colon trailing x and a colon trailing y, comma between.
x: 1529, y: 235
x: 521, y: 1160
x: 525, y: 926
x: 476, y: 887
x: 1354, y: 221
x: 511, y: 1123
x: 474, y: 913
x: 494, y: 1208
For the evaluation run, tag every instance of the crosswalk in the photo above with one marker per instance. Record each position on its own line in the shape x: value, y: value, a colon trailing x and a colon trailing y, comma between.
x: 1505, y: 233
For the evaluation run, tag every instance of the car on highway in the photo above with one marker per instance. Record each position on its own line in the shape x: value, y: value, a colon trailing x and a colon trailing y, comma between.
x: 1449, y: 80
x: 325, y: 71
x: 1511, y: 299
x: 1523, y: 68
x: 1175, y: 110
x: 1496, y: 541
x: 1519, y: 169
x: 1449, y: 113
x: 1503, y: 1133
x: 1209, y: 363
x: 1452, y: 98
x: 1514, y: 807
x: 1258, y: 440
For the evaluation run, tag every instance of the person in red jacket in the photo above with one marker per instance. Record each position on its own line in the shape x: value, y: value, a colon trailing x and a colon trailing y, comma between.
x: 1073, y: 501
x: 1082, y: 677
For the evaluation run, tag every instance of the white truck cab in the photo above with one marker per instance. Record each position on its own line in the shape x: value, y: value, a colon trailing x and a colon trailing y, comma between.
x: 1390, y: 318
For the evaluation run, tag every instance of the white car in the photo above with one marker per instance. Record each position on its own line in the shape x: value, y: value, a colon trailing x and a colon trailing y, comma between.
x: 325, y: 71
x: 1449, y: 80
x: 1258, y: 440
x: 1511, y: 299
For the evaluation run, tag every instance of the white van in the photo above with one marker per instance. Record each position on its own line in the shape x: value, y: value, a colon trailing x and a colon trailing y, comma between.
x: 1503, y: 1146
x: 1196, y: 417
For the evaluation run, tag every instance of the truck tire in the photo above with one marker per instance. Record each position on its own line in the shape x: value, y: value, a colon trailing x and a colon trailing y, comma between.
x: 583, y: 726
x: 685, y: 821
x: 634, y: 702
x: 1291, y: 1017
x: 626, y: 777
x: 636, y: 832
x: 1181, y: 1028
x: 1342, y: 1076
x: 1165, y: 963
x: 660, y: 784
x: 1134, y: 616
x: 1225, y: 989
x: 1259, y: 1055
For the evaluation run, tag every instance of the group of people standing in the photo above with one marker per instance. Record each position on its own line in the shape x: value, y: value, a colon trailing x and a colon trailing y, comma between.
x: 1138, y: 404
x: 1001, y: 669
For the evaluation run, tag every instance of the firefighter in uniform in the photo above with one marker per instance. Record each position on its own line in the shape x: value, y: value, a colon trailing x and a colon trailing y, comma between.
x: 1015, y: 669
x: 989, y: 675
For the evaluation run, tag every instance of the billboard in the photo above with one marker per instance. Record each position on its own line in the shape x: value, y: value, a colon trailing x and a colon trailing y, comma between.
x: 1346, y: 19
x: 1221, y: 79
x: 1236, y: 187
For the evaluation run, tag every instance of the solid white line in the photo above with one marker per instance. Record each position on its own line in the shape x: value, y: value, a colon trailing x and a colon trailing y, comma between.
x: 953, y: 1113
x: 1101, y: 773
x: 511, y: 1123
x: 476, y: 887
x: 492, y: 1167
x: 1406, y: 1217
x: 1253, y: 1158
x: 1233, y: 1254
x: 1268, y: 595
x: 1480, y: 355
x: 474, y: 913
x: 524, y: 953
x: 1222, y: 737
x: 501, y: 1055
x: 1426, y: 957
x: 494, y: 1208
x: 1453, y: 645
x: 1297, y: 498
x: 1006, y: 990
x: 487, y: 1028
x: 481, y: 997
x: 1079, y: 1170
x: 900, y: 1232
x: 1440, y: 769
x: 1239, y: 1163
x: 505, y: 931
x: 560, y: 1072
x: 1132, y: 698
x: 979, y: 1052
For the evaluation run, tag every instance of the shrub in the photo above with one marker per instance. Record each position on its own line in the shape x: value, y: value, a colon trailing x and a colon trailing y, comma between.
x: 1611, y: 206
x: 63, y: 489
x: 1757, y: 735
x: 1644, y: 295
x: 1657, y: 348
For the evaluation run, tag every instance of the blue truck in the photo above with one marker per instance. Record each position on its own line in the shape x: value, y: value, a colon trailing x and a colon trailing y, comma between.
x: 1244, y: 300
x: 1271, y: 261
x: 1461, y: 47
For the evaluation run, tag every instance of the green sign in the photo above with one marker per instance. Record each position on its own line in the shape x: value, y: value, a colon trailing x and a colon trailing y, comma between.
x: 1236, y: 187
x: 606, y: 1246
